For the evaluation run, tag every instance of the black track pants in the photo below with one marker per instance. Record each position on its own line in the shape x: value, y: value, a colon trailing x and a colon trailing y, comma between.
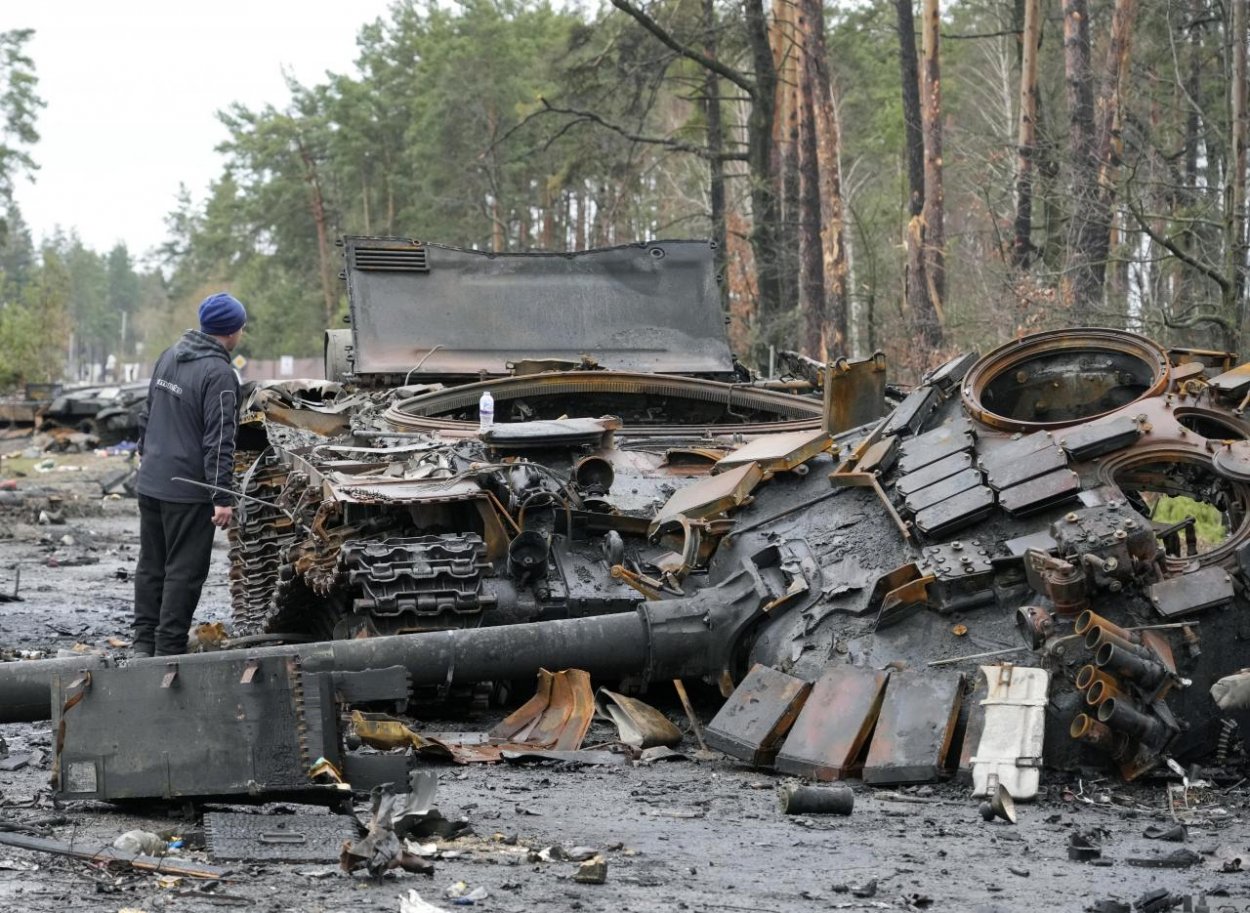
x: 175, y: 545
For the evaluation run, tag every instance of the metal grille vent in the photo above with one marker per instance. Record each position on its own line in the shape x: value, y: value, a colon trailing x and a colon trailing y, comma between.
x: 392, y: 259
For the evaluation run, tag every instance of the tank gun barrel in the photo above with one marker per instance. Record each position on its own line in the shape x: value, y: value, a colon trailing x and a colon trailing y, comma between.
x: 605, y: 645
x: 693, y: 635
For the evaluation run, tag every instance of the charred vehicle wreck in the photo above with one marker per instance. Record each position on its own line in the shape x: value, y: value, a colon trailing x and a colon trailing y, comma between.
x: 832, y: 550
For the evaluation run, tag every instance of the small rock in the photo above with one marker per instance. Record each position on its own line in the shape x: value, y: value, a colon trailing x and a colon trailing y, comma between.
x: 592, y: 871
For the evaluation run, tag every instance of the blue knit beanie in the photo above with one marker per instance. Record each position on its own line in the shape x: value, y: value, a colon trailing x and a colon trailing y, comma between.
x: 221, y: 315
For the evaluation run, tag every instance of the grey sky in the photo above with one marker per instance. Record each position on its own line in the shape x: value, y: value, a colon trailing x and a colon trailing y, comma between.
x: 132, y: 89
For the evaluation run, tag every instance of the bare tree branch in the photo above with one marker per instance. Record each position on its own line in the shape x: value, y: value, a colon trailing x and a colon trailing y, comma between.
x: 677, y: 145
x: 1210, y: 272
x: 663, y: 35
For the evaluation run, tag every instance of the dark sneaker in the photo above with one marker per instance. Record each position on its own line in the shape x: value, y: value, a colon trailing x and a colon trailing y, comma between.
x: 138, y: 652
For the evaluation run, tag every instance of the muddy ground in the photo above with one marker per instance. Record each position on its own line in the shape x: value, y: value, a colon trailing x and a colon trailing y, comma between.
x: 697, y: 835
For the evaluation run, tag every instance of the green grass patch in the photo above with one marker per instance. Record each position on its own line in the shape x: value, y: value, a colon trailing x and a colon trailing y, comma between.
x: 1208, y: 520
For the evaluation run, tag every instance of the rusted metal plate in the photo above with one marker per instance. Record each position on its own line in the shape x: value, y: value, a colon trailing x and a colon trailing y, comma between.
x: 828, y: 738
x: 854, y: 393
x: 1192, y: 592
x: 1232, y: 461
x: 915, y: 727
x: 710, y: 496
x: 557, y: 716
x: 1036, y: 494
x: 955, y: 513
x: 940, y: 491
x: 751, y: 724
x: 909, y: 415
x: 935, y: 444
x: 880, y: 456
x: 777, y: 452
x: 1232, y: 383
x: 1089, y: 441
x: 934, y: 472
x: 1002, y: 474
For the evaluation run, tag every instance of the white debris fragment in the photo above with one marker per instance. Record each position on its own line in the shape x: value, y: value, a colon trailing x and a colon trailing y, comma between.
x: 414, y: 904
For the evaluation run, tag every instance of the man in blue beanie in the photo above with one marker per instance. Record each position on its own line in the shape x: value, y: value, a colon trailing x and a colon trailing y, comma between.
x: 186, y: 431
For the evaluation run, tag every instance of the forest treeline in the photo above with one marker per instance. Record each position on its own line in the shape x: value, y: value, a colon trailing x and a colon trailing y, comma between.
x: 915, y: 176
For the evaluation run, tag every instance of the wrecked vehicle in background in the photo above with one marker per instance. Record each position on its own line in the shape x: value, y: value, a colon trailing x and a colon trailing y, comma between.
x: 110, y: 413
x: 836, y: 564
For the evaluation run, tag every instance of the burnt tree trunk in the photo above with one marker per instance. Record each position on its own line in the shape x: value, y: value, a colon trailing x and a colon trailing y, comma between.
x: 1095, y: 153
x: 824, y: 126
x: 916, y: 287
x: 786, y: 141
x: 765, y: 206
x: 1022, y: 245
x: 715, y: 146
x: 934, y: 198
x: 811, y: 262
x: 1235, y: 191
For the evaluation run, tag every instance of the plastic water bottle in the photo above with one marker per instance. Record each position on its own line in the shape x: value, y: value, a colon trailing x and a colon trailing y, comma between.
x: 486, y: 411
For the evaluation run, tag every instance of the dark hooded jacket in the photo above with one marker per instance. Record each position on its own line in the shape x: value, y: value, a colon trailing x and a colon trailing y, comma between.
x: 188, y: 425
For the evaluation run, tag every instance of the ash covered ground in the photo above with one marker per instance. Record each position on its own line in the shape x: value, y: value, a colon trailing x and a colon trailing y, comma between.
x: 695, y: 835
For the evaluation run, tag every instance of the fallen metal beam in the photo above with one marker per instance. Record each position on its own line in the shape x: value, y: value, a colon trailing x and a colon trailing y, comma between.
x: 107, y: 854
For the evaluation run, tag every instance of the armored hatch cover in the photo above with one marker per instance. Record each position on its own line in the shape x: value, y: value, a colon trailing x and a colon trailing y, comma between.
x: 423, y: 310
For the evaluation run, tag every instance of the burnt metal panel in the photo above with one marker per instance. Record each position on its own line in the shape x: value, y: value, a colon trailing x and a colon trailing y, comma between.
x: 710, y: 495
x: 1003, y: 475
x: 1039, y: 493
x: 1041, y: 540
x: 934, y: 472
x: 777, y: 452
x: 854, y: 393
x: 307, y: 837
x: 1088, y: 441
x: 940, y: 491
x: 935, y: 444
x: 964, y: 575
x: 879, y: 457
x: 387, y: 683
x: 651, y: 307
x: 948, y: 376
x: 237, y: 727
x: 827, y: 740
x: 1192, y: 592
x: 999, y: 458
x: 909, y: 416
x: 913, y: 735
x: 955, y: 513
x: 751, y: 724
x: 365, y: 771
x: 1234, y: 383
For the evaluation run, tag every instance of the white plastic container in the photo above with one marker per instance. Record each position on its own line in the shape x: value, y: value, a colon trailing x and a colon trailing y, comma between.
x: 1010, y: 750
x: 486, y: 412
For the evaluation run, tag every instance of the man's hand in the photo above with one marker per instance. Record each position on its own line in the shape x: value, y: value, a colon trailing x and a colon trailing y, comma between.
x: 221, y: 516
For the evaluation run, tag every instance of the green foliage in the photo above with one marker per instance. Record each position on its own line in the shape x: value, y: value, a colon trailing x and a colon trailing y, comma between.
x: 19, y: 108
x: 33, y: 328
x: 1209, y: 522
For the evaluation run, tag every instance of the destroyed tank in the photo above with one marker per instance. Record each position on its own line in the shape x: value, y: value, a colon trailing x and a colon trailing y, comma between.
x: 1036, y: 508
x: 1010, y: 509
x: 380, y: 509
